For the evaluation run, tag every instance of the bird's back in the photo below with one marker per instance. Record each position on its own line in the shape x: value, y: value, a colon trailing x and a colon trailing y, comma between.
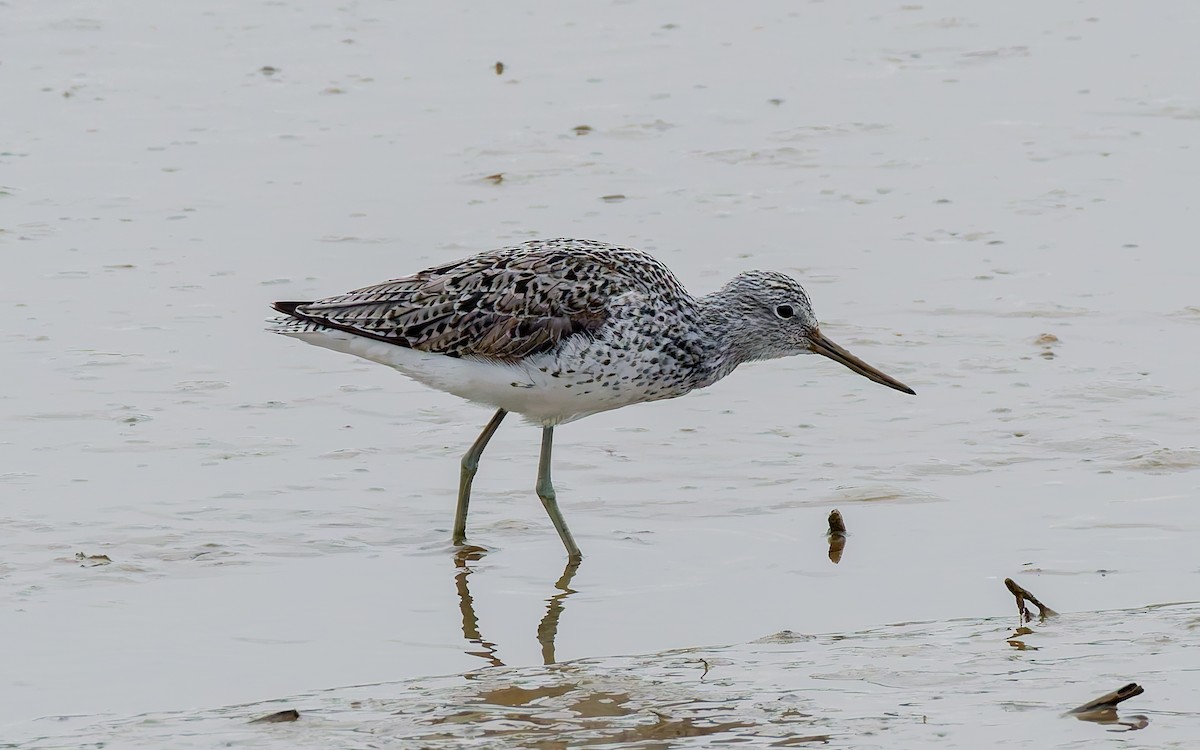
x: 503, y: 305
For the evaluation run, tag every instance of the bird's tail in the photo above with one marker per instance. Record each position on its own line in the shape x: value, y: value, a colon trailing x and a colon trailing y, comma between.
x: 289, y: 323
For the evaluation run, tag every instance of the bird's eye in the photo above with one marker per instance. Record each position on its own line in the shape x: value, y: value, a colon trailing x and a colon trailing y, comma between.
x: 784, y: 311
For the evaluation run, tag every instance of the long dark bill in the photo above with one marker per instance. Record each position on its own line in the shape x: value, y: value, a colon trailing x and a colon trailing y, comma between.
x: 827, y: 348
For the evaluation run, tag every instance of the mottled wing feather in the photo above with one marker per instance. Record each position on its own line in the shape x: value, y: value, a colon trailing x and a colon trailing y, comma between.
x: 504, y: 305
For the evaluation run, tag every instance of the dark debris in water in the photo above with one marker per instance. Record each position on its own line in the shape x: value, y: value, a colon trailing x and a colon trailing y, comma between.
x: 279, y: 717
x: 837, y: 525
x: 1109, y: 700
x: 1023, y: 595
x: 92, y: 561
x: 811, y: 739
x: 837, y: 536
x: 1103, y: 710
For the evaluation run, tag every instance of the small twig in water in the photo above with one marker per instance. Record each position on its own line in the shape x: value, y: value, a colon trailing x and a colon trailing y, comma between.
x: 837, y: 536
x: 1110, y: 700
x: 1103, y: 710
x: 1023, y: 596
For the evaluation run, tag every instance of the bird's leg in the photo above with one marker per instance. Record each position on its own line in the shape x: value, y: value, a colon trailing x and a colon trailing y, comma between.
x: 545, y: 490
x: 470, y: 464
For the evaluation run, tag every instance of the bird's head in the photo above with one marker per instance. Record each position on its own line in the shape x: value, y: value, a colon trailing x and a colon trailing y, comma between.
x: 776, y: 319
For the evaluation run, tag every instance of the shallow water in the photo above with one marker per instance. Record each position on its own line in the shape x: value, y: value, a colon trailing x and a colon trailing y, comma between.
x: 956, y: 683
x: 990, y: 202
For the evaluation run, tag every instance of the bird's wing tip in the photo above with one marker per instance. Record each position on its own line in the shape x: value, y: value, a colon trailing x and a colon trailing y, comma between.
x: 287, y: 308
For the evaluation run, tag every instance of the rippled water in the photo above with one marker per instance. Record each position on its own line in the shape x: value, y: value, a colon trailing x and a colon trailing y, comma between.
x: 957, y: 683
x: 989, y: 201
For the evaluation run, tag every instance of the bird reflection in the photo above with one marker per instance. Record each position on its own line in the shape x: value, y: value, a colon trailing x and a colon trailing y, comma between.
x: 547, y: 628
x: 466, y: 605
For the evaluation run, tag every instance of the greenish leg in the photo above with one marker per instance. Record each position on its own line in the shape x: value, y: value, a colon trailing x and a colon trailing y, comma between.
x: 545, y: 490
x: 470, y: 465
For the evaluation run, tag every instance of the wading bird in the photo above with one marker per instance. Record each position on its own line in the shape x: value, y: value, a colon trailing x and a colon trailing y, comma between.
x: 556, y: 330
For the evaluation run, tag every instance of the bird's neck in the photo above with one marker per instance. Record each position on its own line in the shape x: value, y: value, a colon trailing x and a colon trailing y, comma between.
x: 721, y: 329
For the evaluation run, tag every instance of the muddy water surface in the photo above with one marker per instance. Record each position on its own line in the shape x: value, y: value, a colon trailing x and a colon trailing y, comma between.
x: 991, y: 202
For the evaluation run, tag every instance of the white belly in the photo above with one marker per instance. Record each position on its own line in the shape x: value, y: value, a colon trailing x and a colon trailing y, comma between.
x: 545, y: 389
